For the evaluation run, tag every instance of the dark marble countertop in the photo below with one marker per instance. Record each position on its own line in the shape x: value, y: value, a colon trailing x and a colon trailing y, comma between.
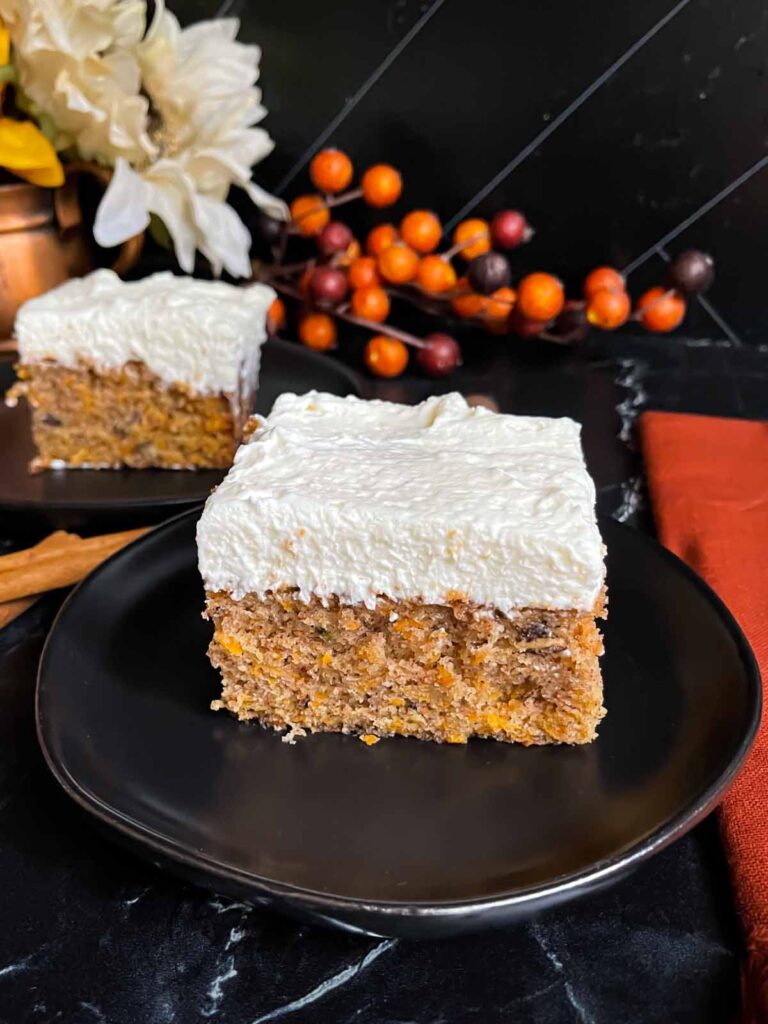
x: 93, y: 934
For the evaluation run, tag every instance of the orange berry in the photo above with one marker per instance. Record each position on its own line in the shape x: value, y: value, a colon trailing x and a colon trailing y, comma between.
x: 435, y: 274
x: 500, y: 304
x: 363, y: 273
x: 600, y: 278
x: 351, y: 254
x: 608, y: 309
x: 474, y: 236
x: 421, y: 230
x: 331, y: 170
x: 469, y: 303
x: 381, y: 185
x: 398, y: 264
x: 310, y: 214
x: 380, y: 238
x: 662, y: 310
x: 540, y: 297
x: 276, y: 316
x: 371, y: 303
x: 317, y: 331
x: 386, y: 357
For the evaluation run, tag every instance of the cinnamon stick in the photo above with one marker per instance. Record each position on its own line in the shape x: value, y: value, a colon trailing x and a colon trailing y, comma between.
x: 59, y: 561
x: 10, y: 610
x: 58, y: 541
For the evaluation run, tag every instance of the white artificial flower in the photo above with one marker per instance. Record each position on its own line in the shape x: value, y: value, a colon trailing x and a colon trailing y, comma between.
x: 77, y: 62
x: 204, y: 108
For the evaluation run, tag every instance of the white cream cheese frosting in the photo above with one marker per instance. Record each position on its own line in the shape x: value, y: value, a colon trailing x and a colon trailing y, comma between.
x: 206, y: 335
x: 353, y: 498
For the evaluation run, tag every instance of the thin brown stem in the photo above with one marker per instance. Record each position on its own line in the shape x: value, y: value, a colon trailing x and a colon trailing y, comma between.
x: 286, y: 289
x: 345, y: 197
x: 563, y: 339
x: 640, y: 313
x: 386, y: 329
x: 458, y: 246
x: 282, y: 245
x: 342, y: 313
x: 291, y: 268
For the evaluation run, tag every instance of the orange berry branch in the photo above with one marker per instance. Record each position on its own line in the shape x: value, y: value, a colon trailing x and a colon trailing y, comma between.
x: 344, y: 282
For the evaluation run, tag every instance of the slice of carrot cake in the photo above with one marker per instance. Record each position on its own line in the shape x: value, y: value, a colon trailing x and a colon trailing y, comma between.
x: 430, y: 571
x: 158, y: 372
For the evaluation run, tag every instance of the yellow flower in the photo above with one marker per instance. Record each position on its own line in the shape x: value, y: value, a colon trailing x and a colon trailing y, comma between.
x: 6, y: 70
x: 25, y: 151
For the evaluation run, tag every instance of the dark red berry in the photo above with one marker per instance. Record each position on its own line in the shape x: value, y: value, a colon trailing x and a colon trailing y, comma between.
x: 572, y: 323
x: 440, y: 356
x: 525, y: 328
x: 328, y: 285
x: 269, y: 228
x: 509, y: 228
x: 692, y: 272
x: 335, y: 237
x: 488, y: 272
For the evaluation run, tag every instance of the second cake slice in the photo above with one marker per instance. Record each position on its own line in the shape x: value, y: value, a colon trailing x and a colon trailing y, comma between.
x: 159, y: 372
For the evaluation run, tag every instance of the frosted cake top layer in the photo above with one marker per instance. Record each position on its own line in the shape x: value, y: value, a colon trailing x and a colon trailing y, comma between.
x: 203, y: 334
x: 353, y: 498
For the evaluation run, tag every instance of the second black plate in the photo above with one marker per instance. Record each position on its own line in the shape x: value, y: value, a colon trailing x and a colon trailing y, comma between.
x: 403, y: 838
x: 285, y: 367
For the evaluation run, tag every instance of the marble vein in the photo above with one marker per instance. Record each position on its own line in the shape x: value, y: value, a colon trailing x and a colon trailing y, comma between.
x: 132, y: 900
x: 235, y: 935
x: 563, y: 116
x: 98, y: 1014
x: 359, y: 95
x: 584, y: 1016
x: 703, y: 209
x: 222, y: 908
x: 227, y: 969
x: 329, y: 985
x: 17, y: 968
x: 215, y: 992
x: 632, y: 499
x: 630, y: 378
x: 26, y: 964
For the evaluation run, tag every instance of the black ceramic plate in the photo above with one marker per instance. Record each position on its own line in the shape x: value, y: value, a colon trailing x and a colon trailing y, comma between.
x: 285, y: 367
x: 403, y: 838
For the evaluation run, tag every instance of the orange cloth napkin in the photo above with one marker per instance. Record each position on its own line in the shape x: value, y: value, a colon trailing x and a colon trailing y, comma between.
x: 708, y: 479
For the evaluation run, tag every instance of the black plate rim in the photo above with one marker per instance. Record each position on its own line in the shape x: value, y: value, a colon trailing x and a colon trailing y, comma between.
x: 561, y: 886
x: 355, y: 380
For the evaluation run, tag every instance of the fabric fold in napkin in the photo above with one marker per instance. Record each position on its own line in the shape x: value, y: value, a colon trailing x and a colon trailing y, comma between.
x: 708, y: 479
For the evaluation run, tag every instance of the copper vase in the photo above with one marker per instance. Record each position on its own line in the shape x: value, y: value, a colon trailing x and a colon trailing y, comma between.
x: 44, y: 240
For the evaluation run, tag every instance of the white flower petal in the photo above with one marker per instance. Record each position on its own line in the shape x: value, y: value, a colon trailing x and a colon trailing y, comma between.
x: 265, y: 201
x: 215, y: 170
x: 226, y: 241
x: 170, y: 196
x: 123, y: 210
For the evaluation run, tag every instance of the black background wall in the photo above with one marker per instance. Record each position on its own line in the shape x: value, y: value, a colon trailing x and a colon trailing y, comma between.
x: 617, y: 122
